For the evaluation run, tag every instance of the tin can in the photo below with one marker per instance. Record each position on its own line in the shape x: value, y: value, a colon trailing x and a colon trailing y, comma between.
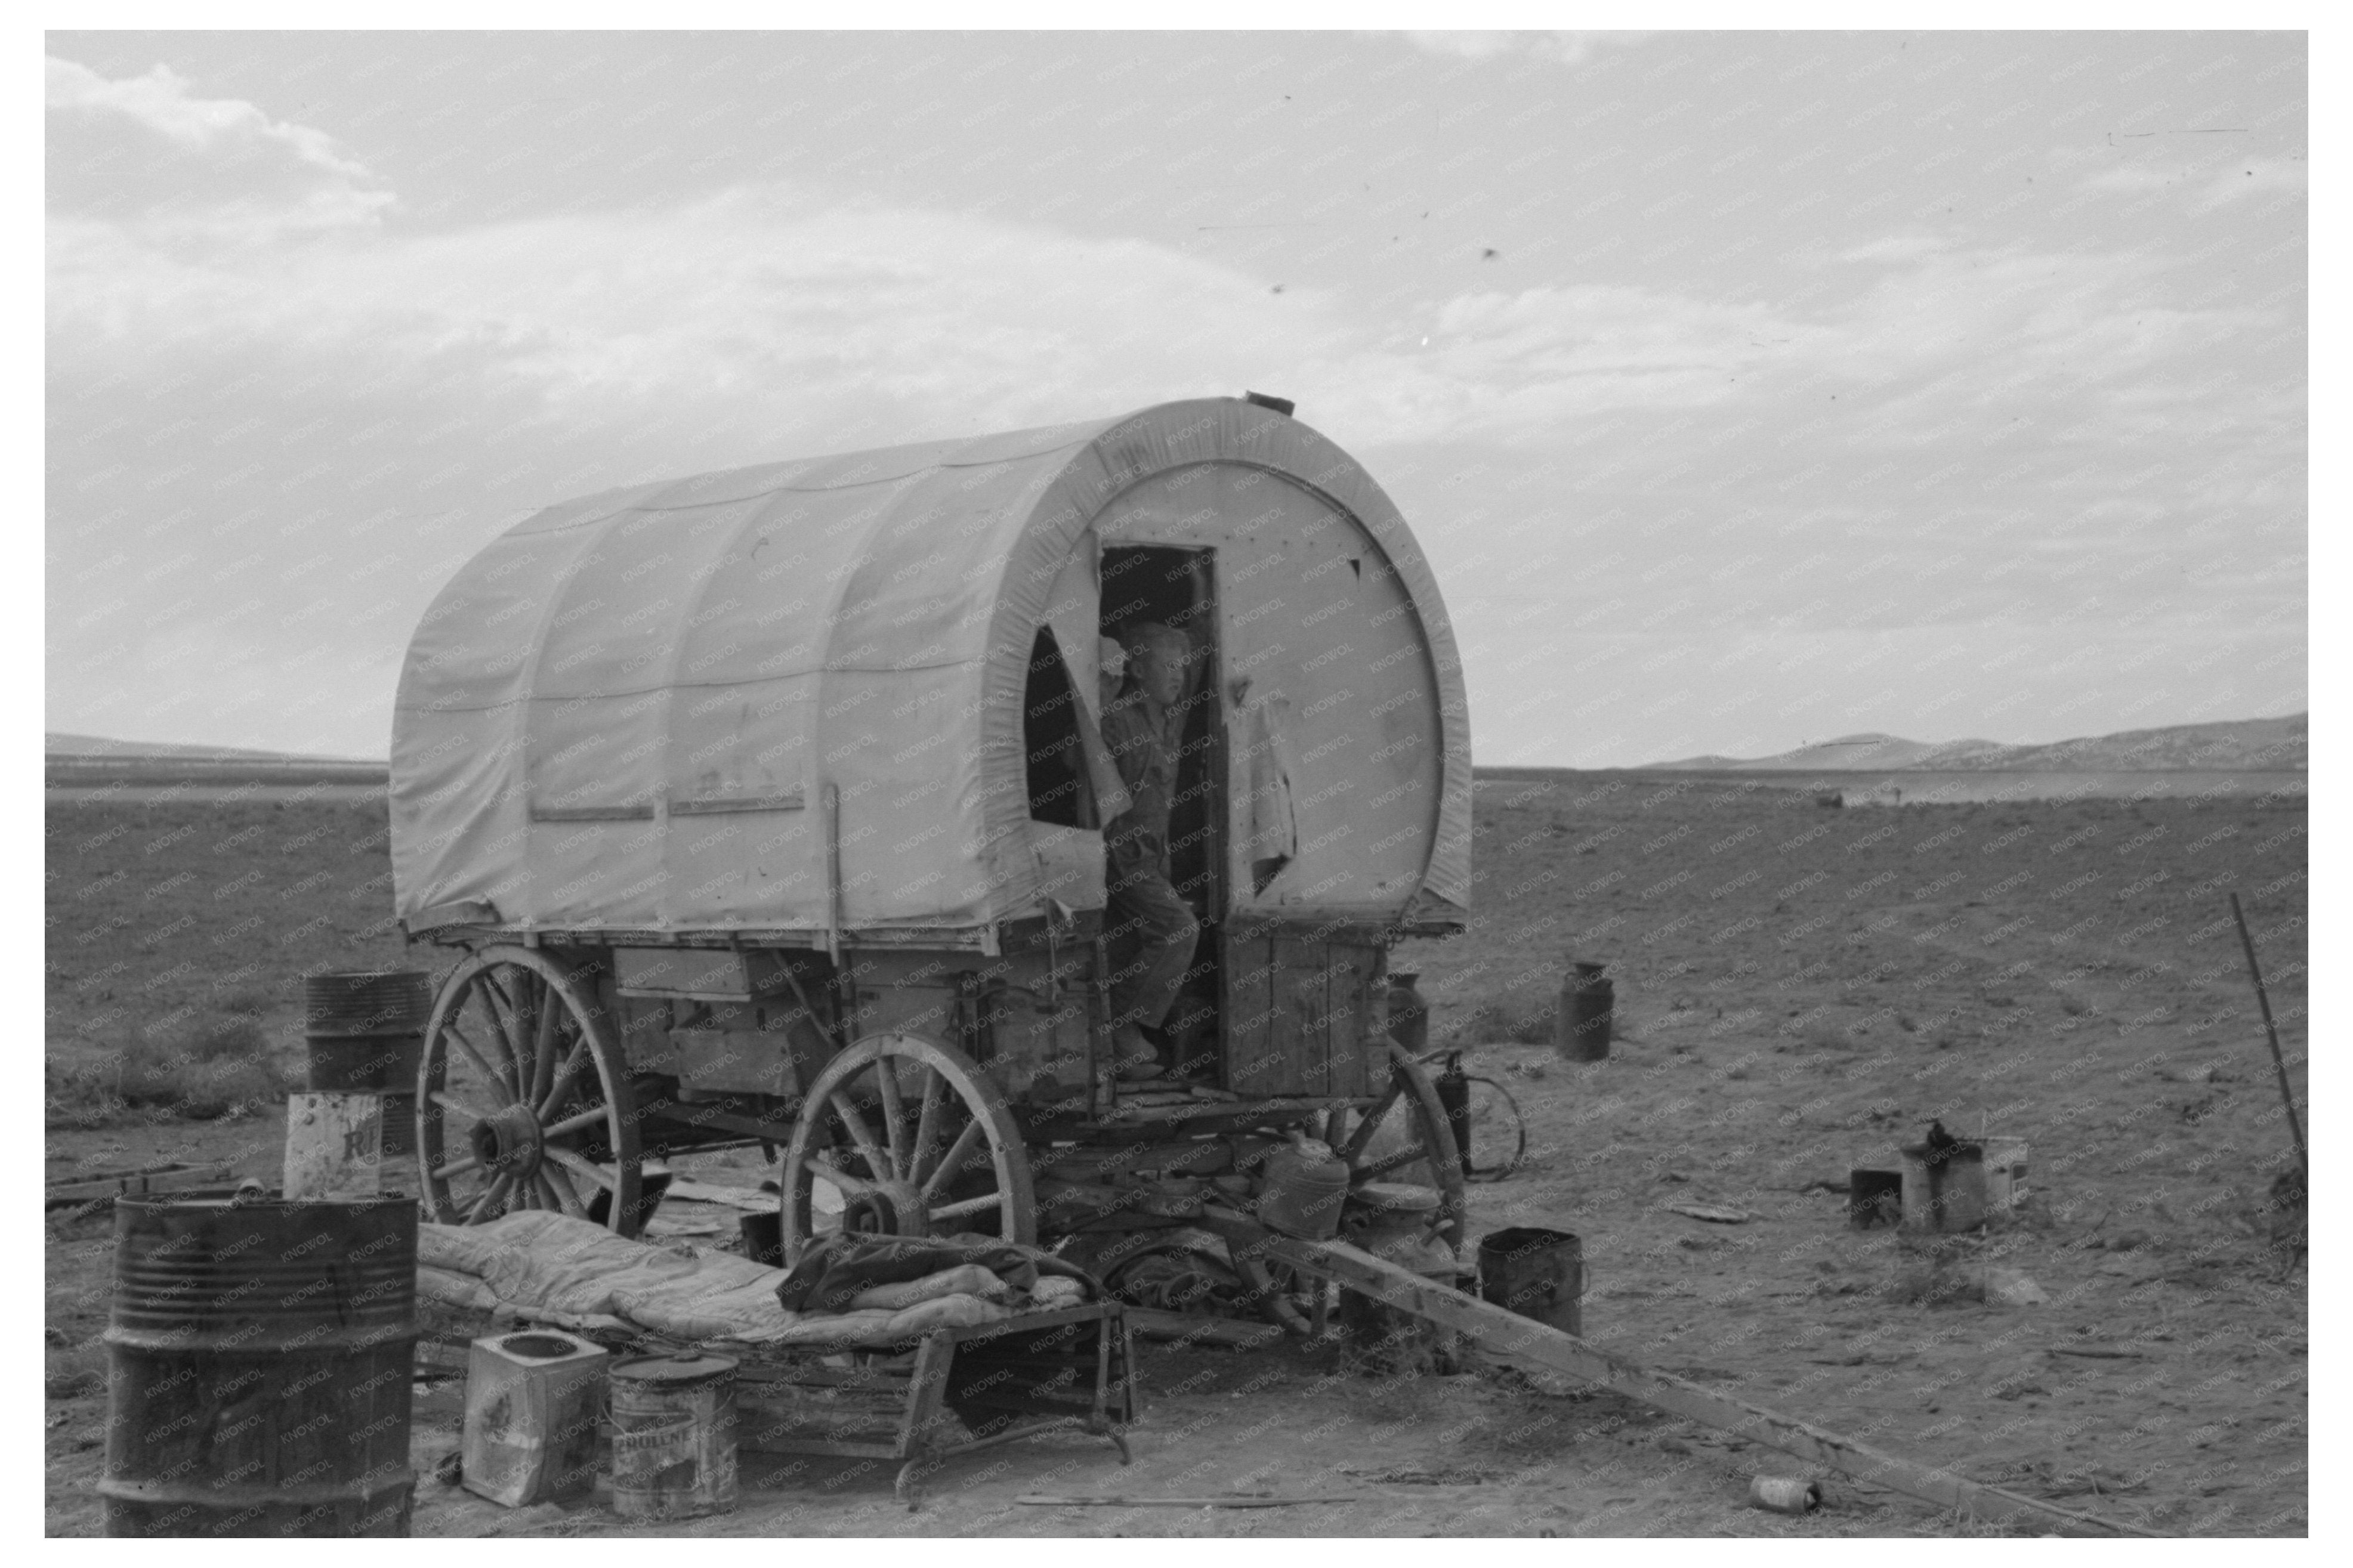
x: 1785, y: 1494
x: 673, y: 1436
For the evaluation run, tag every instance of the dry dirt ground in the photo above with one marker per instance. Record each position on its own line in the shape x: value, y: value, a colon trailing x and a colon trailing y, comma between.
x: 1799, y: 989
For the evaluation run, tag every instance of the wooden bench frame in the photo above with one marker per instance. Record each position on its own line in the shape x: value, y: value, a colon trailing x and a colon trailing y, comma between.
x: 806, y: 1408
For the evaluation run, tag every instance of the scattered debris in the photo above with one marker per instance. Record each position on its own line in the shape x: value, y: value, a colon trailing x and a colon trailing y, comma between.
x: 1784, y: 1494
x: 2011, y: 1288
x: 1715, y: 1214
x: 1874, y: 1198
x: 96, y: 1190
x: 1223, y: 1500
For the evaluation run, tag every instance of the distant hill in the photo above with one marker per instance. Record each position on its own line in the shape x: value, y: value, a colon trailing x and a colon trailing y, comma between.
x: 2230, y: 745
x: 81, y: 761
x: 59, y: 744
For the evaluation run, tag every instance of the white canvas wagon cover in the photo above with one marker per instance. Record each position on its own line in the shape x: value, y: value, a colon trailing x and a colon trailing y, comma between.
x: 624, y: 712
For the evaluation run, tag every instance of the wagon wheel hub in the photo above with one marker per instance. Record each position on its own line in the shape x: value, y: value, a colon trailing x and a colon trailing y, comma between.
x: 508, y: 1140
x: 892, y: 1208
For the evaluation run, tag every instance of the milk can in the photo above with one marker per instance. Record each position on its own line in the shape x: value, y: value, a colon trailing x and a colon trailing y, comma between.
x: 1304, y: 1187
x: 1408, y: 1014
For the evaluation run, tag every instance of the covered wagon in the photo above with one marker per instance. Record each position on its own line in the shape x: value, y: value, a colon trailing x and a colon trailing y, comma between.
x: 767, y: 808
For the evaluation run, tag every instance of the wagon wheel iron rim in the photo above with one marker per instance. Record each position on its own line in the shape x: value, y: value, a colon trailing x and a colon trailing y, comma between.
x: 916, y: 1139
x: 1495, y: 1112
x: 1409, y: 1105
x: 510, y: 1116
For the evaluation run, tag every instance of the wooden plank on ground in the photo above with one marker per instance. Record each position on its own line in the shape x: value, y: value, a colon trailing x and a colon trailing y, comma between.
x: 1506, y: 1332
x: 108, y: 1184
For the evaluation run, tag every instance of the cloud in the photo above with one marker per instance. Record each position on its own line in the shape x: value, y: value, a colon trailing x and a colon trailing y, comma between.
x: 160, y: 101
x: 1568, y: 49
x: 2132, y: 179
x: 146, y: 147
x: 1896, y: 248
x: 2243, y: 179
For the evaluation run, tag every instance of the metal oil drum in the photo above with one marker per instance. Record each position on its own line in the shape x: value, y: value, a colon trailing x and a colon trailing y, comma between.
x: 363, y: 1032
x: 673, y: 1435
x: 259, y: 1363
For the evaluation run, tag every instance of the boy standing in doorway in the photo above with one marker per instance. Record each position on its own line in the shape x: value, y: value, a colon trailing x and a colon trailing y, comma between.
x: 1152, y: 929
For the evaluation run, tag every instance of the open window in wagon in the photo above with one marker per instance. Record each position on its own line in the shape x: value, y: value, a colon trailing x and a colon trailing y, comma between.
x: 768, y: 805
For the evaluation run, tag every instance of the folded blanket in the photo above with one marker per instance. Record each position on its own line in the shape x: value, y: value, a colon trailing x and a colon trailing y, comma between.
x: 964, y: 1279
x: 554, y: 1264
x: 839, y: 1267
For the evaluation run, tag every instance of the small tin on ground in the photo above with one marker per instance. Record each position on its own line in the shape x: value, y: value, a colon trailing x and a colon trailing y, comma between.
x: 1785, y: 1494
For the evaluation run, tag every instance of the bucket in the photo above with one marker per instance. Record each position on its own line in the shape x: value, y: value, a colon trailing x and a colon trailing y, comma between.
x: 1408, y: 1014
x: 260, y: 1355
x: 673, y: 1436
x: 1537, y: 1273
x: 1582, y: 1016
x: 763, y: 1238
x: 363, y: 1032
x: 1304, y: 1187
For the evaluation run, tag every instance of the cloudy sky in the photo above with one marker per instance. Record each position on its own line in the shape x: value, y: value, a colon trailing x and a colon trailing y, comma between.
x: 1746, y: 389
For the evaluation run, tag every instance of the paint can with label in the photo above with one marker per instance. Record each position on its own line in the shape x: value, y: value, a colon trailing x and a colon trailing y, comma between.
x: 673, y: 1421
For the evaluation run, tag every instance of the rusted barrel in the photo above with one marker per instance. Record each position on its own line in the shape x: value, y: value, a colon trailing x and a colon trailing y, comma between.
x: 673, y: 1435
x: 259, y: 1357
x: 364, y: 1032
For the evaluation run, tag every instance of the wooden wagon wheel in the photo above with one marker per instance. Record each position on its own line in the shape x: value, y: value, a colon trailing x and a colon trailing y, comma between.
x: 509, y: 1116
x: 1402, y: 1136
x: 917, y: 1138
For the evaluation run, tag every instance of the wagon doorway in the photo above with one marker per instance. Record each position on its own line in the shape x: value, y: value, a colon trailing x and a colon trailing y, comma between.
x: 1178, y: 588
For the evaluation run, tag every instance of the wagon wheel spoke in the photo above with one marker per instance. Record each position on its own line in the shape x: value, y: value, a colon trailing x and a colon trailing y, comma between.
x: 457, y: 1167
x: 492, y: 996
x: 859, y: 1134
x: 557, y: 1190
x: 522, y: 1020
x: 926, y: 1126
x: 491, y: 1196
x: 1363, y: 1134
x: 572, y: 1063
x: 855, y: 1187
x: 958, y: 1152
x: 886, y: 1083
x: 1374, y: 1170
x: 582, y: 1165
x: 448, y: 1101
x: 966, y: 1205
x: 543, y: 1047
x: 567, y: 1196
x: 573, y: 1123
x: 482, y: 1063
